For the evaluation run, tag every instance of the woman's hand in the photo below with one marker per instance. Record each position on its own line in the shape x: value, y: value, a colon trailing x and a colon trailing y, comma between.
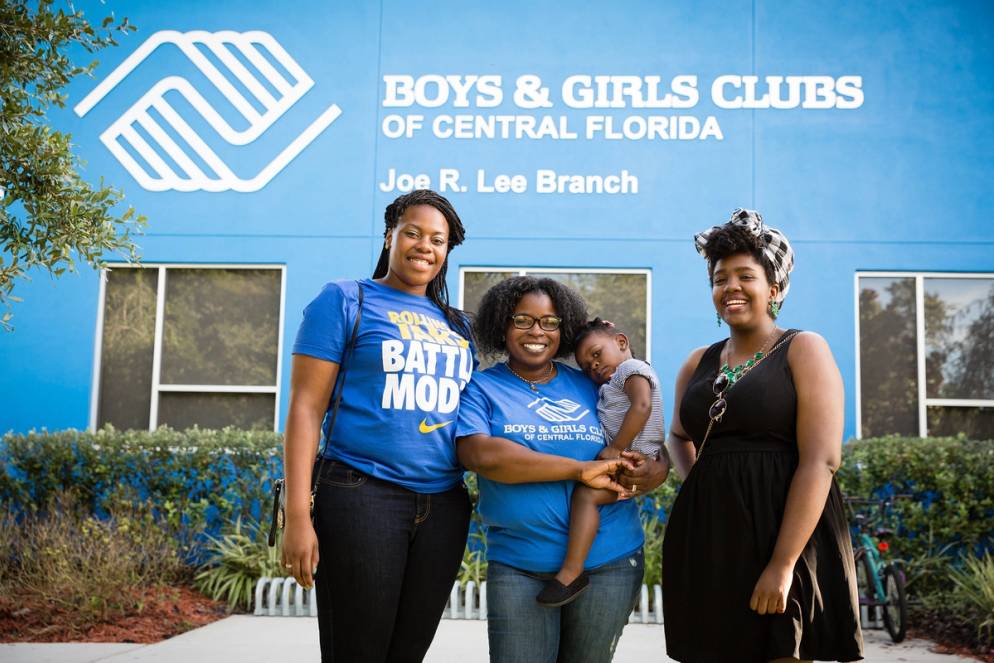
x: 643, y: 475
x: 300, y: 550
x: 770, y: 594
x: 600, y: 473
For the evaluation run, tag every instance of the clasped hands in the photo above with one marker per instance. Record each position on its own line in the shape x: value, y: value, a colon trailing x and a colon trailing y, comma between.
x: 625, y: 472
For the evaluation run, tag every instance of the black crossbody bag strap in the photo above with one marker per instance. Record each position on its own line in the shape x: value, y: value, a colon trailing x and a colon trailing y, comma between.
x: 336, y: 395
x: 279, y: 494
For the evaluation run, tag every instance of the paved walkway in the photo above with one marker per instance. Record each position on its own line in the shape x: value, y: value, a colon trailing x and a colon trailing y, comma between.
x: 247, y: 639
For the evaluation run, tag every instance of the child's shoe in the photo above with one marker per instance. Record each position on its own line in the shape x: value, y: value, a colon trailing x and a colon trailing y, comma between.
x: 555, y: 593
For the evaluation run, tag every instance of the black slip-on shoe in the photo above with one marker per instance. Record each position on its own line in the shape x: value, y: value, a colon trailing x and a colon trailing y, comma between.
x: 555, y: 593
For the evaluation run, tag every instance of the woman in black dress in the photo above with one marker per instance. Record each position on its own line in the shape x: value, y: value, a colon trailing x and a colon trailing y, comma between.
x: 757, y: 560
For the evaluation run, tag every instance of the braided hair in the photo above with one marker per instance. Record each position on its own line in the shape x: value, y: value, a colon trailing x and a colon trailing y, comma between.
x: 437, y: 290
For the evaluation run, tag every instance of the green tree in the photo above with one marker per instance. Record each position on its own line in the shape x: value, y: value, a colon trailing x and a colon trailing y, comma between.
x: 888, y: 358
x: 973, y: 371
x: 49, y: 216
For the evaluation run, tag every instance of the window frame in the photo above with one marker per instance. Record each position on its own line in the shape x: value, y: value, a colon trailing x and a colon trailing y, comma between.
x: 924, y: 402
x: 160, y: 302
x: 525, y: 271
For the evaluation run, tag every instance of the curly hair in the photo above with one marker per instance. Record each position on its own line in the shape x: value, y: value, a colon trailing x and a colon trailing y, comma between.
x: 437, y: 291
x: 500, y: 301
x: 598, y: 326
x: 730, y: 240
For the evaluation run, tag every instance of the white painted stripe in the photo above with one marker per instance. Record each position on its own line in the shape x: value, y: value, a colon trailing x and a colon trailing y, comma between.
x: 218, y: 388
x: 260, y: 62
x: 959, y: 402
x: 220, y: 49
x: 160, y: 308
x: 920, y: 332
x: 147, y: 153
x: 97, y: 350
x: 169, y: 145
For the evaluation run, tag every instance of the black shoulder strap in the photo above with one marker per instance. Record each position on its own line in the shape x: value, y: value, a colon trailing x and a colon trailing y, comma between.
x: 336, y: 392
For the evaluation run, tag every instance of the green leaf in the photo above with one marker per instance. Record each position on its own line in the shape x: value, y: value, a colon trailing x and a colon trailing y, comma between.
x: 49, y: 212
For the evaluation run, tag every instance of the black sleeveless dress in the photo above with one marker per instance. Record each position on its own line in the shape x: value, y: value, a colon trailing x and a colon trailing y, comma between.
x: 724, y: 524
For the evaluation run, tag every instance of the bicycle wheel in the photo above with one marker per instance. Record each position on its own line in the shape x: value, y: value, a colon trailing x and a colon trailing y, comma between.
x: 896, y: 606
x: 864, y: 584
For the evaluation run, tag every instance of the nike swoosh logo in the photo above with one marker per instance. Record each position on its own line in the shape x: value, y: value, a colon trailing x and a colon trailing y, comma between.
x: 425, y: 428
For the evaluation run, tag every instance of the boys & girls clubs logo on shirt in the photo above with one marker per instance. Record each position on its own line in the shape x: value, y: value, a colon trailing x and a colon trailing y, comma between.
x: 562, y: 415
x: 425, y: 368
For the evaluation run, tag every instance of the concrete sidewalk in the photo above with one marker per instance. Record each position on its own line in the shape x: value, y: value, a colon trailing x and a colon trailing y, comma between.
x: 247, y: 639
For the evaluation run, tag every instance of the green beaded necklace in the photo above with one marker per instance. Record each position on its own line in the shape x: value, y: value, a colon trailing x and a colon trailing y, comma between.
x: 734, y: 374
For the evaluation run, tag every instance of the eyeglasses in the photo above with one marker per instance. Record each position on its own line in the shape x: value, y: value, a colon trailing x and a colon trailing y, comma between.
x: 721, y: 384
x: 525, y: 321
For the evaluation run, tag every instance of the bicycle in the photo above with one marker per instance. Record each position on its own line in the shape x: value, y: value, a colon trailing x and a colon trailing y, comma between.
x: 881, y: 583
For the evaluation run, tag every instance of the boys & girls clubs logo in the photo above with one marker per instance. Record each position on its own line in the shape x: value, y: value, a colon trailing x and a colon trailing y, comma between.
x: 176, y: 156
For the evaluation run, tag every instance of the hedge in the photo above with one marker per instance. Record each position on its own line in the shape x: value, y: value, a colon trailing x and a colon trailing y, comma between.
x: 197, y: 481
x: 202, y: 480
x: 951, y: 483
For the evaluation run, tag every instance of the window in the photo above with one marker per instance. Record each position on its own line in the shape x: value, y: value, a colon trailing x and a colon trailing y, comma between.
x: 621, y: 295
x: 184, y: 345
x: 925, y: 364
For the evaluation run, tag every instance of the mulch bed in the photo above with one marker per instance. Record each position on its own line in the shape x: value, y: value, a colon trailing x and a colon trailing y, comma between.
x: 166, y: 611
x: 947, y: 643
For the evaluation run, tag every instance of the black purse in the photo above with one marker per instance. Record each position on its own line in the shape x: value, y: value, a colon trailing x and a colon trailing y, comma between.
x: 279, y: 493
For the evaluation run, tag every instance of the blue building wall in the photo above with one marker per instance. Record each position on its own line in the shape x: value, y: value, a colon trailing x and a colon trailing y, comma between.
x: 901, y: 182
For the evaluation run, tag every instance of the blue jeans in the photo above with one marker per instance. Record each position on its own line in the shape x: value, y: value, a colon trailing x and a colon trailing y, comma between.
x: 388, y: 558
x: 584, y: 631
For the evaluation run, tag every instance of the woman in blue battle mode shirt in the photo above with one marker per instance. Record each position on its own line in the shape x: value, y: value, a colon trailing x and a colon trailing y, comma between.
x: 528, y: 427
x: 391, y: 511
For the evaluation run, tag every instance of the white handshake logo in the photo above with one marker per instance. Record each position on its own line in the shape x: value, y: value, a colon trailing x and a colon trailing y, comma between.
x: 218, y: 176
x: 557, y: 411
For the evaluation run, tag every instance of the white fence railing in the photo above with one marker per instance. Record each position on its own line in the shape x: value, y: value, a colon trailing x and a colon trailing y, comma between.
x: 284, y: 597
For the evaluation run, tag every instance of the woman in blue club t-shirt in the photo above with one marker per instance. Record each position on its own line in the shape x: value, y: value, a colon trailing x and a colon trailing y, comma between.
x: 528, y: 427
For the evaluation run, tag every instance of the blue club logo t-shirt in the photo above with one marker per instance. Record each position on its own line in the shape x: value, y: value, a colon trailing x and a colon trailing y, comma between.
x: 528, y: 523
x: 397, y: 417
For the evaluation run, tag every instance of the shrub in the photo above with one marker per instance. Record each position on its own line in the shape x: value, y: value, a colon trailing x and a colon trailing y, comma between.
x: 975, y: 588
x: 237, y: 559
x: 474, y: 561
x: 94, y: 568
x: 942, y: 529
x: 655, y: 508
x: 951, y: 481
x: 197, y: 480
x: 8, y: 550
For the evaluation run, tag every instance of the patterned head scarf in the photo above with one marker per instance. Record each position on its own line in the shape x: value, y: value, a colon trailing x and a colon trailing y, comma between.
x: 773, y: 244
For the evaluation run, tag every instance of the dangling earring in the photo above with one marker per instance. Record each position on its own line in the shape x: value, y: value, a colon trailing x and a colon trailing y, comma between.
x: 718, y: 315
x: 774, y: 309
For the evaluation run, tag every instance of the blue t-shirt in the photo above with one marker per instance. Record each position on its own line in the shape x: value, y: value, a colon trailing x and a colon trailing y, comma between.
x: 528, y: 523
x: 397, y: 418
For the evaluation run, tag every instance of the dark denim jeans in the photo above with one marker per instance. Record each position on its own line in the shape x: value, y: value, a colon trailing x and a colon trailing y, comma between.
x: 389, y: 557
x: 584, y: 631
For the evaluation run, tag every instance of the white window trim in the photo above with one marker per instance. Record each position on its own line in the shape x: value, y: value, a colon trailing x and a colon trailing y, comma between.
x: 524, y: 271
x: 924, y: 402
x: 157, y: 387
